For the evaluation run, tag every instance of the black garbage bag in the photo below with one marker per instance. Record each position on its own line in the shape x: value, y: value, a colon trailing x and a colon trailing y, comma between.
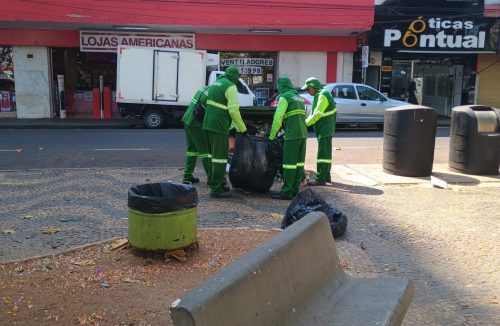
x: 254, y: 163
x: 157, y: 198
x: 309, y: 201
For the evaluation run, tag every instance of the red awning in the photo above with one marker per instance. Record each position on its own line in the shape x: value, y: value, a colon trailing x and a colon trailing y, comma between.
x: 340, y: 17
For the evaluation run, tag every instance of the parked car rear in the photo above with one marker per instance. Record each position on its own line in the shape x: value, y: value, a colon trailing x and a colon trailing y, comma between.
x: 358, y: 103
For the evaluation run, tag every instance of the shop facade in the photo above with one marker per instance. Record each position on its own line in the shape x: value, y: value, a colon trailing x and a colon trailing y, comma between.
x: 437, y: 46
x: 488, y: 64
x: 84, y: 52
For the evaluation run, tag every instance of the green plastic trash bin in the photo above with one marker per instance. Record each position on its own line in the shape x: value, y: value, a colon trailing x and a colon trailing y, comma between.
x: 162, y: 216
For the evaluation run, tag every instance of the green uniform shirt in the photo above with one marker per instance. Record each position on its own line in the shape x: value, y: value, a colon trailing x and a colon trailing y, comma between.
x: 291, y: 114
x: 223, y: 108
x: 189, y: 118
x: 324, y: 114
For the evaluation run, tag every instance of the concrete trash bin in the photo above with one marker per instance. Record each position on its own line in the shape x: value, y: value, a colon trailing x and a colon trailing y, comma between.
x: 409, y: 138
x: 475, y: 140
x: 162, y: 216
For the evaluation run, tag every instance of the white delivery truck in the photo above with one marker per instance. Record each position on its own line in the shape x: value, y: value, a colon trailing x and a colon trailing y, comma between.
x: 157, y: 85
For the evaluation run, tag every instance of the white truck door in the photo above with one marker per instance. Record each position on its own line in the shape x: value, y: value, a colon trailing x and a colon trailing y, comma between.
x: 166, y: 76
x: 192, y: 74
x: 134, y: 75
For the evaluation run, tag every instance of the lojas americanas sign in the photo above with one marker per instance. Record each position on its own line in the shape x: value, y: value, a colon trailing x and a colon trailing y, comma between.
x: 102, y: 41
x: 436, y: 34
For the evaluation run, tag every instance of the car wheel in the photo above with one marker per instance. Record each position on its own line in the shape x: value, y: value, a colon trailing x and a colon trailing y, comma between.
x: 154, y: 119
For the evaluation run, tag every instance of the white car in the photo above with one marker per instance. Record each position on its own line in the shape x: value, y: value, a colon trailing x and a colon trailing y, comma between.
x: 357, y: 103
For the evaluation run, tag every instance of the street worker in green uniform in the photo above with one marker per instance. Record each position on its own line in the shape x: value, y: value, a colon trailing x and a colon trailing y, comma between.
x: 222, y: 109
x: 291, y: 114
x: 196, y: 141
x: 323, y: 119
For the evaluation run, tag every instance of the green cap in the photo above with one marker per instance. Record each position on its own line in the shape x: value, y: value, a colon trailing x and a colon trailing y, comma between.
x: 312, y: 82
x: 232, y: 73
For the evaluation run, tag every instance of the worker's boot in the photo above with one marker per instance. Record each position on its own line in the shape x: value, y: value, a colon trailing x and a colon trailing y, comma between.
x: 313, y: 183
x: 191, y: 181
x: 225, y: 194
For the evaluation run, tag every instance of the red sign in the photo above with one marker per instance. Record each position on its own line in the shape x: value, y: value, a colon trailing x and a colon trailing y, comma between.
x: 99, y: 41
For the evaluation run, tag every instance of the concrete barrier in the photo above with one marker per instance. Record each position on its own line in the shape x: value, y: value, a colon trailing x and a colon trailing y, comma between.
x: 294, y: 279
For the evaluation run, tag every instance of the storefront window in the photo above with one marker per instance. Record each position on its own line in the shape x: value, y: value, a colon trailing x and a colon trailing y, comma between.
x: 81, y: 72
x: 7, y: 89
x: 258, y: 70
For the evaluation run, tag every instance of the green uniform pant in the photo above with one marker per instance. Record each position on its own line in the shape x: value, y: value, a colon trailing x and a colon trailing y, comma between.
x: 324, y: 159
x: 217, y: 144
x: 294, y: 154
x: 197, y: 145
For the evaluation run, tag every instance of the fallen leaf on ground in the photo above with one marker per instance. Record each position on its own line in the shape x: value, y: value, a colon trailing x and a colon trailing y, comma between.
x: 8, y: 231
x: 119, y: 244
x: 85, y: 262
x: 338, y: 148
x: 129, y: 280
x: 180, y: 255
x: 362, y: 245
x: 277, y: 216
x: 82, y: 320
x: 51, y: 230
x: 27, y: 217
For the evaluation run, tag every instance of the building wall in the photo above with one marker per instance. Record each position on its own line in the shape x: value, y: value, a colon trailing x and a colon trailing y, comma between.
x: 488, y: 68
x: 344, y: 67
x: 299, y: 66
x: 31, y: 64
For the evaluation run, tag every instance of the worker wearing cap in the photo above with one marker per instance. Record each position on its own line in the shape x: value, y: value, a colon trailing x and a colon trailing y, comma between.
x: 290, y: 114
x: 196, y: 141
x: 323, y: 119
x: 222, y: 110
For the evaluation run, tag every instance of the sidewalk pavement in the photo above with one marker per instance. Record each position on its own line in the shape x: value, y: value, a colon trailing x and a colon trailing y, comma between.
x: 87, y: 123
x: 446, y: 241
x: 374, y: 175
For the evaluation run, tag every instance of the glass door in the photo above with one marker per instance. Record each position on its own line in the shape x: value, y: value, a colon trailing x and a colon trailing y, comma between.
x: 401, y: 77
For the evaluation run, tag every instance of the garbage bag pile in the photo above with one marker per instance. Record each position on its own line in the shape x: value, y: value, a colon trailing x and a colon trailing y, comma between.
x: 255, y: 162
x: 309, y: 201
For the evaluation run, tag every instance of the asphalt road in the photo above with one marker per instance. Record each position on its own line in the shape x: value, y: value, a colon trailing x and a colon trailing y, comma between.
x: 71, y: 148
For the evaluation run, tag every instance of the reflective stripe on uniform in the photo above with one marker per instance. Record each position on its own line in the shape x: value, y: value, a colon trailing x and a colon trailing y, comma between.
x: 191, y: 154
x: 194, y: 101
x: 328, y: 113
x: 232, y: 106
x: 205, y: 156
x: 294, y: 112
x: 290, y: 166
x: 219, y: 160
x: 217, y: 105
x: 301, y: 165
x: 324, y: 161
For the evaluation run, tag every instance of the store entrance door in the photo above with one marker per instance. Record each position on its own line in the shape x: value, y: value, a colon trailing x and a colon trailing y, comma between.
x: 441, y: 86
